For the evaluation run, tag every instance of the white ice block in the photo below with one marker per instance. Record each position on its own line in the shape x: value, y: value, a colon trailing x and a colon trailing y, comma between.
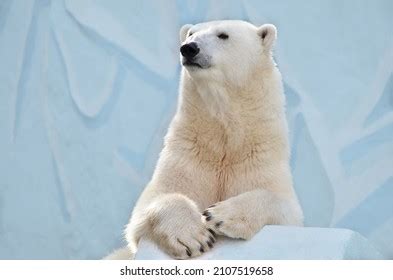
x: 283, y: 242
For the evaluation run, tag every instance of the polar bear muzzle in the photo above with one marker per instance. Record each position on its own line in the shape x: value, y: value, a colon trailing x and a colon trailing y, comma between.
x: 190, y: 50
x: 191, y: 56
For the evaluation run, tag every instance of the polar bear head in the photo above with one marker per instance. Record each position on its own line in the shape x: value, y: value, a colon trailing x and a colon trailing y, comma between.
x: 226, y: 51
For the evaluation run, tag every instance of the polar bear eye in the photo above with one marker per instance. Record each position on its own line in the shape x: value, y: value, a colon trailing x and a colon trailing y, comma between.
x: 223, y: 36
x: 190, y: 34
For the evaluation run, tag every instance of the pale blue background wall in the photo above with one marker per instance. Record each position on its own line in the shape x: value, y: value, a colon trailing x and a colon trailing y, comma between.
x: 87, y: 89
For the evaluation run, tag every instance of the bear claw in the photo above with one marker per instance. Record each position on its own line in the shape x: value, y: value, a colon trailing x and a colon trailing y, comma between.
x: 188, y: 251
x: 218, y: 224
x: 212, y: 232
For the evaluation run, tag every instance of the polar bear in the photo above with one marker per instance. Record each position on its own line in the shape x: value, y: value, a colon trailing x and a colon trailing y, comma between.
x: 224, y: 168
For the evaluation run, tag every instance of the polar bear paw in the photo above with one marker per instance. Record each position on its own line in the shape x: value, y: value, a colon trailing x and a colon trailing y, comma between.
x: 227, y: 219
x: 184, y: 245
x: 183, y: 237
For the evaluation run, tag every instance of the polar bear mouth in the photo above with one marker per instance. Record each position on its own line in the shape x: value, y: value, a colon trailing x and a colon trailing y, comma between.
x: 192, y: 64
x: 198, y: 62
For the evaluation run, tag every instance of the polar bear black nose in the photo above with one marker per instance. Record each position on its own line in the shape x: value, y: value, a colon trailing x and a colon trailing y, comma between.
x: 189, y: 50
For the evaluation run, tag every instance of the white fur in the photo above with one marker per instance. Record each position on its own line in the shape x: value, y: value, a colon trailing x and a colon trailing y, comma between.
x: 227, y: 145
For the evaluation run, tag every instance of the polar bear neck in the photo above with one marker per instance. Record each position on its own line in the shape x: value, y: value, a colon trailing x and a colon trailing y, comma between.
x: 260, y: 96
x: 236, y: 115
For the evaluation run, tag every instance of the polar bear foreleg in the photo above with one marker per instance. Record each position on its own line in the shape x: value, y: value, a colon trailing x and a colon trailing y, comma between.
x: 244, y: 215
x: 174, y: 223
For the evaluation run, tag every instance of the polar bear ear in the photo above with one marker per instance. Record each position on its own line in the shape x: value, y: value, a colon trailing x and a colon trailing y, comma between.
x: 268, y: 34
x: 183, y: 32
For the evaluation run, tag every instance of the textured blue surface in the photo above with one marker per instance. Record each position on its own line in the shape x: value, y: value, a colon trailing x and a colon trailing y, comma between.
x: 87, y: 89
